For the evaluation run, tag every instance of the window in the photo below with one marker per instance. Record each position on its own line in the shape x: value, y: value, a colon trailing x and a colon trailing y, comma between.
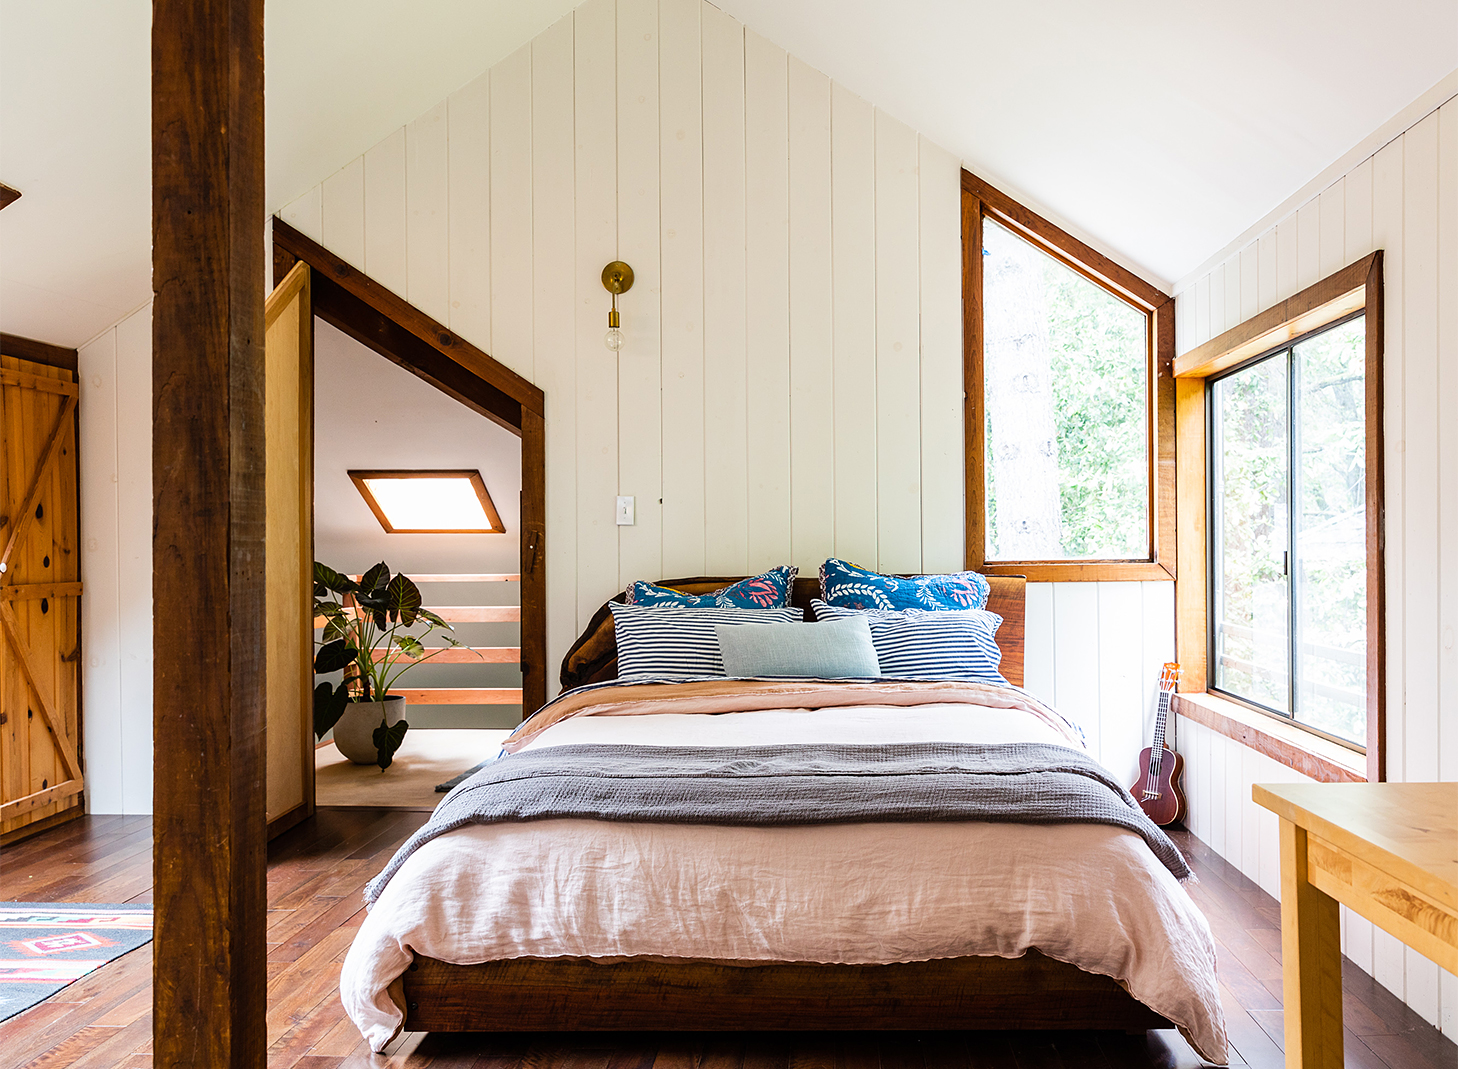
x: 1068, y: 373
x: 1288, y: 523
x: 429, y: 502
x: 1279, y: 600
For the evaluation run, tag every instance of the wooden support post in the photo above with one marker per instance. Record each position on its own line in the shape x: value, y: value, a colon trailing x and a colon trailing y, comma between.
x: 533, y: 563
x: 1311, y: 954
x: 208, y: 542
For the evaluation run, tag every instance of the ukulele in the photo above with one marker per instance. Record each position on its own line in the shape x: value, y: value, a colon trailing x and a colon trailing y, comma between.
x: 1158, y: 791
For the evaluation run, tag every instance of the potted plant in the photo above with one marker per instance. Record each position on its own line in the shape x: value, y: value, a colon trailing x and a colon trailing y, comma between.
x: 367, y: 632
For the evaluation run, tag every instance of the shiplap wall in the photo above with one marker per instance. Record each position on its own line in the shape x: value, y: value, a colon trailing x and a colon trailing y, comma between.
x: 115, y: 454
x: 791, y: 383
x: 791, y: 386
x: 1404, y: 200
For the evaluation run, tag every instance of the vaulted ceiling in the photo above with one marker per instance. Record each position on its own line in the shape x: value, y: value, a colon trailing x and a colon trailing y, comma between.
x: 1163, y: 130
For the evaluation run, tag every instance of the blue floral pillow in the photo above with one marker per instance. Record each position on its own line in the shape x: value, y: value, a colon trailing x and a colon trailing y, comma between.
x: 768, y: 591
x: 843, y: 584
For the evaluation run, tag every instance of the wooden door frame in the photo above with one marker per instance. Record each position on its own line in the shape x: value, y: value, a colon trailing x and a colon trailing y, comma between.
x: 350, y: 300
x: 283, y: 294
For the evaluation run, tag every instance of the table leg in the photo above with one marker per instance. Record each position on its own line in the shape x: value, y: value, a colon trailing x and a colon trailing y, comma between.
x: 1311, y: 958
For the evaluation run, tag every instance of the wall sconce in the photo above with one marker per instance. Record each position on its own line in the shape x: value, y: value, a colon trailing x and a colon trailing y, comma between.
x: 617, y: 277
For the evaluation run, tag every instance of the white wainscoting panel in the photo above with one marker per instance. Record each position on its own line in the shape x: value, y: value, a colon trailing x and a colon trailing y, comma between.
x: 1094, y: 651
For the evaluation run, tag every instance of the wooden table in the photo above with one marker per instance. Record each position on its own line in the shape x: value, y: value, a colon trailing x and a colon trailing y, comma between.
x: 1389, y: 851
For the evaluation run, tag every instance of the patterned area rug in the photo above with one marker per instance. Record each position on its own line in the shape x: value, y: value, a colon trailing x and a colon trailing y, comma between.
x: 46, y: 945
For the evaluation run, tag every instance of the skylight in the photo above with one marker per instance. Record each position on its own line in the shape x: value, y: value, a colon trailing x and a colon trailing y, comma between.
x: 429, y: 502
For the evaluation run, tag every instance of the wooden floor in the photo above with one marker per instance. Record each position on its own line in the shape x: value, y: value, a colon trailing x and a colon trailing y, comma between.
x: 315, y: 876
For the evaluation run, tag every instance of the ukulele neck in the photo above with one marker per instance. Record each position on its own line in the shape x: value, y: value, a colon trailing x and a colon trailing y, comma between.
x: 1159, y: 722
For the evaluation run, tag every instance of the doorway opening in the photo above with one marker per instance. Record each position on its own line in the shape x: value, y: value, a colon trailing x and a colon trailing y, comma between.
x: 418, y: 412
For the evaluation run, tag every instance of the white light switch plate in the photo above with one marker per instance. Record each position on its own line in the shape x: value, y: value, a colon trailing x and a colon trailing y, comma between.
x: 625, y: 512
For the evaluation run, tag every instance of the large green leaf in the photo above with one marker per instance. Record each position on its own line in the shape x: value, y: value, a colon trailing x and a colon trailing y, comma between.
x: 411, y: 646
x: 435, y: 621
x: 375, y: 578
x: 329, y: 579
x: 329, y: 703
x: 388, y: 739
x: 333, y: 656
x: 402, y: 597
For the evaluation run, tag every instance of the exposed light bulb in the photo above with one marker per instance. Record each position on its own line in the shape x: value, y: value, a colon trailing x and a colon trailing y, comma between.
x: 613, y: 339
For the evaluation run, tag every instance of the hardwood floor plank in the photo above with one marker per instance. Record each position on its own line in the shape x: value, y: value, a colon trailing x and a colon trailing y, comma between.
x: 316, y: 875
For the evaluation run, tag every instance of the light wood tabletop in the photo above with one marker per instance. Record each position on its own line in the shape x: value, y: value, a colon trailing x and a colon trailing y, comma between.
x: 1389, y: 851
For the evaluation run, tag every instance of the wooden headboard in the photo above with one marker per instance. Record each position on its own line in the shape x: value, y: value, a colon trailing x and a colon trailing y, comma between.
x: 593, y: 658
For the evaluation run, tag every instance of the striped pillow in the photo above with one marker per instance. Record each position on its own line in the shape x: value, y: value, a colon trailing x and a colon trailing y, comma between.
x: 930, y: 644
x: 679, y: 642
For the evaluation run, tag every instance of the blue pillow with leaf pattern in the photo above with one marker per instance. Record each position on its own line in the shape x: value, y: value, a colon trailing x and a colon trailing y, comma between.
x: 768, y: 591
x: 850, y: 587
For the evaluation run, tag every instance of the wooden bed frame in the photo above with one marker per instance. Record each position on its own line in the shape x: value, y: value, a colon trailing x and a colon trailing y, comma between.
x: 577, y: 994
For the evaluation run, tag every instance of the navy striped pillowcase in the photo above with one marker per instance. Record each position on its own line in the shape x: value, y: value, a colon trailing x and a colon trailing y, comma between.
x: 930, y: 644
x: 674, y: 641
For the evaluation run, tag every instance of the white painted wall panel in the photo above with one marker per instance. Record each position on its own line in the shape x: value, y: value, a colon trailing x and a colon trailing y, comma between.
x: 680, y: 79
x: 134, y: 552
x: 1040, y: 651
x: 853, y: 273
x: 942, y: 489
x: 553, y: 302
x: 1076, y: 687
x: 427, y: 238
x: 767, y: 298
x: 1308, y: 244
x: 511, y: 211
x: 468, y: 131
x: 1403, y: 200
x: 1120, y: 665
x: 726, y: 421
x: 115, y: 411
x: 640, y: 367
x: 595, y: 67
x: 303, y: 214
x: 384, y: 208
x: 898, y: 344
x: 101, y: 625
x: 1333, y: 229
x: 812, y: 360
x: 1447, y: 401
x: 342, y: 213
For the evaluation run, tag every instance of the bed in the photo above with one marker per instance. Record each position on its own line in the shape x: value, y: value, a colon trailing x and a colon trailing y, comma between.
x: 599, y: 925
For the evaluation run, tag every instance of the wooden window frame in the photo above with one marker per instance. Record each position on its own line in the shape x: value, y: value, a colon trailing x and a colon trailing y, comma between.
x: 478, y: 484
x: 979, y: 201
x: 1357, y: 287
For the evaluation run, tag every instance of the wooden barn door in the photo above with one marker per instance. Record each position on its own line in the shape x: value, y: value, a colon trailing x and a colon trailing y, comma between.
x: 288, y: 416
x: 40, y: 590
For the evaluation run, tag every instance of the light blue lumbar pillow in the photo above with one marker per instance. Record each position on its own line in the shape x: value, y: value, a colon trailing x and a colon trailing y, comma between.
x: 835, y: 649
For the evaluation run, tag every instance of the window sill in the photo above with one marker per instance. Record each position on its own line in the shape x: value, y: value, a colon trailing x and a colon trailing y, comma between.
x: 1077, y: 571
x: 1311, y: 755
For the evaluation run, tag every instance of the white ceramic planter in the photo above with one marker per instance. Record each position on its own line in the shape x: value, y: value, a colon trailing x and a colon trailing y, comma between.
x: 354, y: 734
